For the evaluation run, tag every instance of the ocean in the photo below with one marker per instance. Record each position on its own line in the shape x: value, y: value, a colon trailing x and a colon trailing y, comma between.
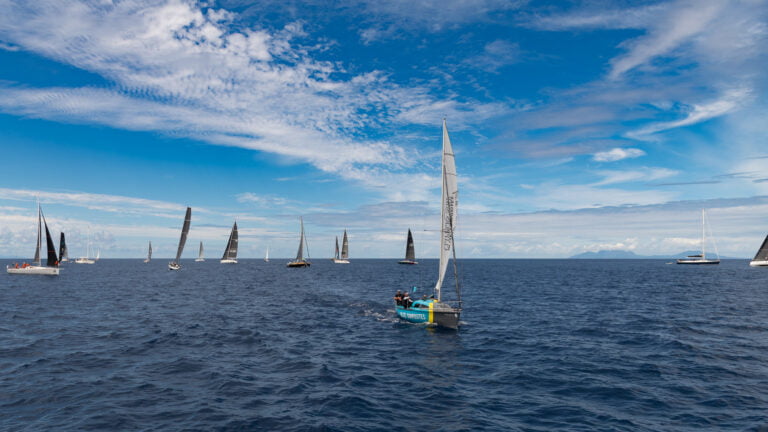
x: 567, y: 345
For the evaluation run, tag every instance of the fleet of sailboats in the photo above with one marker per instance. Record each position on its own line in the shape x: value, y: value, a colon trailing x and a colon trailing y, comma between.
x: 342, y: 258
x: 410, y: 252
x: 434, y: 310
x: 230, y: 252
x: 300, y: 261
x: 176, y: 263
x: 701, y: 258
x: 51, y: 267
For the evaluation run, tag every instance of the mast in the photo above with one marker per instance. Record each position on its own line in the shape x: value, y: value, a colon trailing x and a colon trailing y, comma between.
x: 448, y: 209
x: 184, y: 232
x: 37, y: 261
x: 703, y: 236
x: 345, y: 247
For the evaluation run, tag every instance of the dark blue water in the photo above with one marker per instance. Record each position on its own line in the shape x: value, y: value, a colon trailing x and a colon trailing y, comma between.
x: 546, y: 345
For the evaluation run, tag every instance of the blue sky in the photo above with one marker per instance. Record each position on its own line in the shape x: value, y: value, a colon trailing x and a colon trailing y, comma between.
x: 578, y: 125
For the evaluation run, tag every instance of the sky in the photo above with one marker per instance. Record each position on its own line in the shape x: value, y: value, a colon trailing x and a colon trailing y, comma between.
x: 577, y: 125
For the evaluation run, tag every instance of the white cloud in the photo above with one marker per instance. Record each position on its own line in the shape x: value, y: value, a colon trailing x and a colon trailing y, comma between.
x: 617, y: 154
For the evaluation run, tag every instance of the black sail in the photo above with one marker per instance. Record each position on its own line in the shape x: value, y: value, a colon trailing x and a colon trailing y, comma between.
x: 231, y: 251
x: 184, y: 232
x: 52, y: 260
x: 762, y: 253
x: 410, y: 253
x: 36, y: 261
x: 345, y: 247
x: 63, y: 252
x: 336, y: 253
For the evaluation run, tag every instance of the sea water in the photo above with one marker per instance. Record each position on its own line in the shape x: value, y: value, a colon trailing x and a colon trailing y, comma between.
x: 577, y: 345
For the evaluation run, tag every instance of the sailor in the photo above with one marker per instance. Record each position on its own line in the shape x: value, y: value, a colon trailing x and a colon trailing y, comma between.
x: 407, y: 300
x: 398, y: 298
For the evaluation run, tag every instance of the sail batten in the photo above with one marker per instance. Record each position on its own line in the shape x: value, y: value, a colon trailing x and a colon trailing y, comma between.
x: 448, y: 208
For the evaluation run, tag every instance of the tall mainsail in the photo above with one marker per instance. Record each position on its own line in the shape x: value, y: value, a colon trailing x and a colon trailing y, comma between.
x: 36, y: 261
x: 184, y: 232
x: 300, y: 253
x: 63, y: 252
x: 448, y: 209
x: 410, y: 251
x: 149, y: 252
x: 344, y: 247
x: 200, y: 251
x: 762, y: 253
x: 336, y: 253
x: 230, y: 252
x: 51, y: 260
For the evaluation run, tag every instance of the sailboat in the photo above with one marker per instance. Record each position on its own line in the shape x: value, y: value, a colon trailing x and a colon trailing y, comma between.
x: 63, y: 252
x: 200, y: 257
x: 51, y: 267
x: 266, y: 257
x: 702, y: 257
x: 344, y: 257
x: 86, y: 259
x: 410, y: 253
x: 433, y: 310
x: 300, y: 261
x: 175, y: 265
x: 761, y: 257
x: 149, y: 253
x: 230, y: 253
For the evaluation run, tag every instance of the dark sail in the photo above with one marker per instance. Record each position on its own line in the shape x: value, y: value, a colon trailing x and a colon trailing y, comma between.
x: 336, y: 253
x: 184, y: 232
x: 410, y: 253
x: 36, y: 261
x: 52, y: 260
x: 63, y: 252
x: 762, y: 253
x: 231, y: 251
x: 345, y: 247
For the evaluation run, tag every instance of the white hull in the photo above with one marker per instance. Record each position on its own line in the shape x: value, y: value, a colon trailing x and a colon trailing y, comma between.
x: 229, y: 261
x: 199, y: 259
x: 85, y: 261
x: 758, y: 263
x: 698, y: 261
x: 33, y: 270
x: 146, y: 260
x: 340, y: 261
x: 174, y: 266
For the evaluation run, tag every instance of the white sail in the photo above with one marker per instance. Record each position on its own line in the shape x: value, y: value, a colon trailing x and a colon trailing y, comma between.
x: 449, y: 208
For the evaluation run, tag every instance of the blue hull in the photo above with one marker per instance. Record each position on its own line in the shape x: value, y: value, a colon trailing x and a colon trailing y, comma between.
x: 430, y: 312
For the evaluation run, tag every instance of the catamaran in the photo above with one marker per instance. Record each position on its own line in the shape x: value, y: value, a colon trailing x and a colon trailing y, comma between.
x: 230, y: 253
x: 63, y: 252
x: 200, y: 257
x: 434, y: 310
x: 149, y: 253
x: 175, y: 264
x: 344, y: 257
x: 51, y: 267
x: 300, y: 261
x: 410, y: 253
x: 761, y: 257
x: 87, y: 258
x: 702, y: 257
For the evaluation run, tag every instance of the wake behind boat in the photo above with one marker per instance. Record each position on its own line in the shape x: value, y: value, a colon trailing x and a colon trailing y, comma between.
x: 410, y: 252
x: 175, y: 264
x: 433, y: 310
x: 300, y: 261
x: 702, y: 257
x: 51, y: 267
x: 230, y: 253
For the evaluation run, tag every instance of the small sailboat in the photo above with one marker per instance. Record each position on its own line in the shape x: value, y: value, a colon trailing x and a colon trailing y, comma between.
x: 200, y: 257
x: 98, y: 254
x: 51, y: 267
x: 761, y: 257
x: 175, y: 264
x: 410, y: 253
x: 266, y: 257
x: 434, y: 310
x: 87, y: 258
x: 230, y: 253
x: 702, y: 257
x: 149, y: 253
x: 344, y: 257
x: 63, y: 252
x: 300, y: 261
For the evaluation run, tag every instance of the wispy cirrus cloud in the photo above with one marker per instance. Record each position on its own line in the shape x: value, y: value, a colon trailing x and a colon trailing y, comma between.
x: 617, y: 154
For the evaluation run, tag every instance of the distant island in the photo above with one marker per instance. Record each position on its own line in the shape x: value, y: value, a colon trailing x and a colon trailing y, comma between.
x: 623, y: 254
